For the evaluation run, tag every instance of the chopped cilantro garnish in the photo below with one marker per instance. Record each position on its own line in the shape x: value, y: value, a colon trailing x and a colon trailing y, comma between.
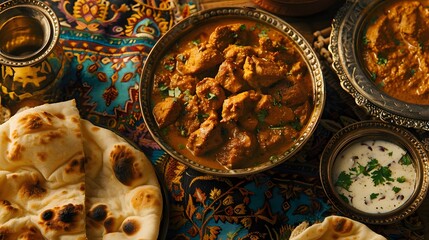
x: 196, y: 42
x: 381, y: 175
x: 396, y: 189
x: 277, y: 102
x: 182, y: 131
x: 365, y: 40
x: 374, y: 196
x: 359, y: 170
x: 263, y: 33
x: 296, y: 124
x: 406, y: 160
x: 372, y: 164
x: 181, y: 57
x: 202, y: 116
x: 381, y: 60
x: 344, y: 181
x: 243, y: 27
x: 162, y: 87
x: 174, y: 92
x: 211, y: 96
x: 345, y: 199
x: 401, y: 179
x: 169, y: 67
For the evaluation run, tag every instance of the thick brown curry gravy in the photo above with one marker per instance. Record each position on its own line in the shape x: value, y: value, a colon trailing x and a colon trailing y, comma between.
x: 395, y: 46
x: 297, y: 75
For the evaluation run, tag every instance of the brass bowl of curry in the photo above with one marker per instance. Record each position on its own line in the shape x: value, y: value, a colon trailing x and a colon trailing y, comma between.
x: 380, y: 53
x: 232, y: 91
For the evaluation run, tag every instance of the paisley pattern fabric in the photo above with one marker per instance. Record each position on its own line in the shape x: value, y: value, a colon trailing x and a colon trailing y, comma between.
x: 107, y: 42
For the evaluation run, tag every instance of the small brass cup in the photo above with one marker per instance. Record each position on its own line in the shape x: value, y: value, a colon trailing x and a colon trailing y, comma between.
x: 32, y: 61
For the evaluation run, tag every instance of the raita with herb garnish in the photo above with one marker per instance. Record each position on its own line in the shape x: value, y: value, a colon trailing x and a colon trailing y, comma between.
x: 395, y: 49
x: 232, y: 94
x: 374, y: 176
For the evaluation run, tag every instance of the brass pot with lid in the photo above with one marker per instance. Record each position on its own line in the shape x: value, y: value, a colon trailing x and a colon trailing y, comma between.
x: 32, y: 60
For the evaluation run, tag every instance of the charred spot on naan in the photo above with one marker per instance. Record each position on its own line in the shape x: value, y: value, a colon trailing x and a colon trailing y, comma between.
x: 32, y: 188
x: 98, y: 213
x: 60, y: 116
x: 64, y: 218
x: 15, y: 153
x: 110, y: 224
x: 7, y: 205
x: 343, y: 226
x: 76, y: 165
x: 50, y: 136
x: 125, y: 165
x: 130, y: 227
x: 35, y: 121
x: 42, y: 156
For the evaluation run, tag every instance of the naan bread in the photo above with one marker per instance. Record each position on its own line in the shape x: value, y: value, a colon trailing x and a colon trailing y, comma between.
x: 42, y: 175
x: 334, y: 227
x: 63, y: 178
x: 123, y: 196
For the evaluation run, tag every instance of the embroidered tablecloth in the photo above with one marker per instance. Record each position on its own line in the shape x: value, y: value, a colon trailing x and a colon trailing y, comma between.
x: 108, y: 41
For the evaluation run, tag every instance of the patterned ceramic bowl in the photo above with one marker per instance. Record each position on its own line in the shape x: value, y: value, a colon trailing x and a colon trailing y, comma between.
x: 152, y: 87
x: 375, y: 172
x: 379, y: 62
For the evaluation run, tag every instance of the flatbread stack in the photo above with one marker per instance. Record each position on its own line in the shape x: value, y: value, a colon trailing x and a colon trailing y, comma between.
x: 334, y: 227
x: 61, y: 177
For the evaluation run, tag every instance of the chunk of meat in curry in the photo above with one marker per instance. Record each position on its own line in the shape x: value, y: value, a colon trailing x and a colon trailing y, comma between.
x: 230, y: 77
x: 167, y: 112
x: 245, y: 93
x: 210, y: 94
x: 199, y: 59
x: 240, y: 146
x: 207, y: 137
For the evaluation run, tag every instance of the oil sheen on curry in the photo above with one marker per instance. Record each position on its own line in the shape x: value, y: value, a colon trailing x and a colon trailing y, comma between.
x: 232, y: 94
x: 395, y: 47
